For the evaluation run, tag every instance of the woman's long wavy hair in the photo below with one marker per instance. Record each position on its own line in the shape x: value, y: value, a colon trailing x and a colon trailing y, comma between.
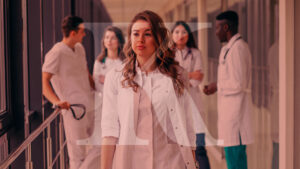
x: 121, y: 41
x: 164, y: 55
x: 191, y: 43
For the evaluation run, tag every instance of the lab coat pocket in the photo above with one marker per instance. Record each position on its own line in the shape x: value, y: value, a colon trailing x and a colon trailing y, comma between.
x: 232, y: 105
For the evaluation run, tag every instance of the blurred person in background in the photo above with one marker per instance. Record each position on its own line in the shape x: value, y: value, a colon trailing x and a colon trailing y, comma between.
x: 234, y: 91
x: 65, y: 68
x: 189, y: 57
x: 110, y: 57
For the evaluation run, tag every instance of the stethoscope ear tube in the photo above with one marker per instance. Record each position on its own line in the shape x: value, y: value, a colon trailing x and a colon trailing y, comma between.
x: 73, y: 112
x: 79, y: 106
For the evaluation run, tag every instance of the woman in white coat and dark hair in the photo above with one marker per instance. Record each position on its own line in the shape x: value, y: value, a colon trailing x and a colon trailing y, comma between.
x: 111, y: 55
x: 189, y: 57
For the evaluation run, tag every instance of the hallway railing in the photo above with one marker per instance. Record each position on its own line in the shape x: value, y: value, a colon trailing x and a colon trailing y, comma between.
x: 26, y: 145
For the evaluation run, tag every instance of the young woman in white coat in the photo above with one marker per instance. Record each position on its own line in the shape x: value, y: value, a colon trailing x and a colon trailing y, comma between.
x: 189, y: 57
x: 147, y: 112
x: 110, y: 56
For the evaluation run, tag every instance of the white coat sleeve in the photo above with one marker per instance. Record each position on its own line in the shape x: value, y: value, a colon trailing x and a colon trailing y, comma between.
x: 190, y: 108
x: 238, y: 71
x: 97, y: 68
x: 96, y: 71
x: 197, y: 66
x: 185, y: 101
x: 110, y: 120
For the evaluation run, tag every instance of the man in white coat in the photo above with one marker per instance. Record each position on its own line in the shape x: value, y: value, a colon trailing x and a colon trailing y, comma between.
x: 65, y: 67
x: 233, y: 86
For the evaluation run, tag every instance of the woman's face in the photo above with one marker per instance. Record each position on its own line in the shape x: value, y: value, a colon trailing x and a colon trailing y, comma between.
x: 111, y: 41
x: 142, y: 40
x: 180, y: 36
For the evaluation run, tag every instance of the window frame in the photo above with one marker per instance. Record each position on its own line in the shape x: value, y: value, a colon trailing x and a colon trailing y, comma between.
x: 3, y: 92
x: 5, y: 114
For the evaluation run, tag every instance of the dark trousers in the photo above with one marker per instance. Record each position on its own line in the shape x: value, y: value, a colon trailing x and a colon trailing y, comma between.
x: 201, y: 155
x: 275, y: 160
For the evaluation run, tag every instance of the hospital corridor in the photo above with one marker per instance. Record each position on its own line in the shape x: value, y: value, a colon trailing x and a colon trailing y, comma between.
x: 149, y: 84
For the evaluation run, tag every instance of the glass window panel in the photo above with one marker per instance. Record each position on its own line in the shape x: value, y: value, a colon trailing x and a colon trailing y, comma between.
x: 213, y: 9
x: 260, y: 27
x: 2, y: 63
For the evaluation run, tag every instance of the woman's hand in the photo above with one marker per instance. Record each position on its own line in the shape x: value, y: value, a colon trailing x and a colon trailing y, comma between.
x: 101, y: 78
x: 196, y: 75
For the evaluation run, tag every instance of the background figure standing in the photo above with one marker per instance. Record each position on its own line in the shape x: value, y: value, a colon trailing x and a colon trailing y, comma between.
x: 189, y: 57
x: 110, y: 57
x: 234, y: 94
x: 143, y: 123
x: 66, y: 67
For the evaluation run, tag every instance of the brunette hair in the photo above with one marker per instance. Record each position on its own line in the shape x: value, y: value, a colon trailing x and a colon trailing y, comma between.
x: 121, y: 41
x: 164, y: 55
x: 70, y: 23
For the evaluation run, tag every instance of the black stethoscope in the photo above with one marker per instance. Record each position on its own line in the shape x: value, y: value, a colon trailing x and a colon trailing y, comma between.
x: 230, y: 48
x: 81, y: 106
x: 188, y: 52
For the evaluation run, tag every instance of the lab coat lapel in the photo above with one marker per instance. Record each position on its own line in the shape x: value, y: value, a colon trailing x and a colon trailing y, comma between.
x: 136, y: 100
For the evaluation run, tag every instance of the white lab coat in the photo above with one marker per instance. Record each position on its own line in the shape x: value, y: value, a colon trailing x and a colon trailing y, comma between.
x: 99, y: 69
x: 92, y: 161
x: 120, y: 106
x: 102, y: 69
x: 190, y: 60
x: 234, y: 93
